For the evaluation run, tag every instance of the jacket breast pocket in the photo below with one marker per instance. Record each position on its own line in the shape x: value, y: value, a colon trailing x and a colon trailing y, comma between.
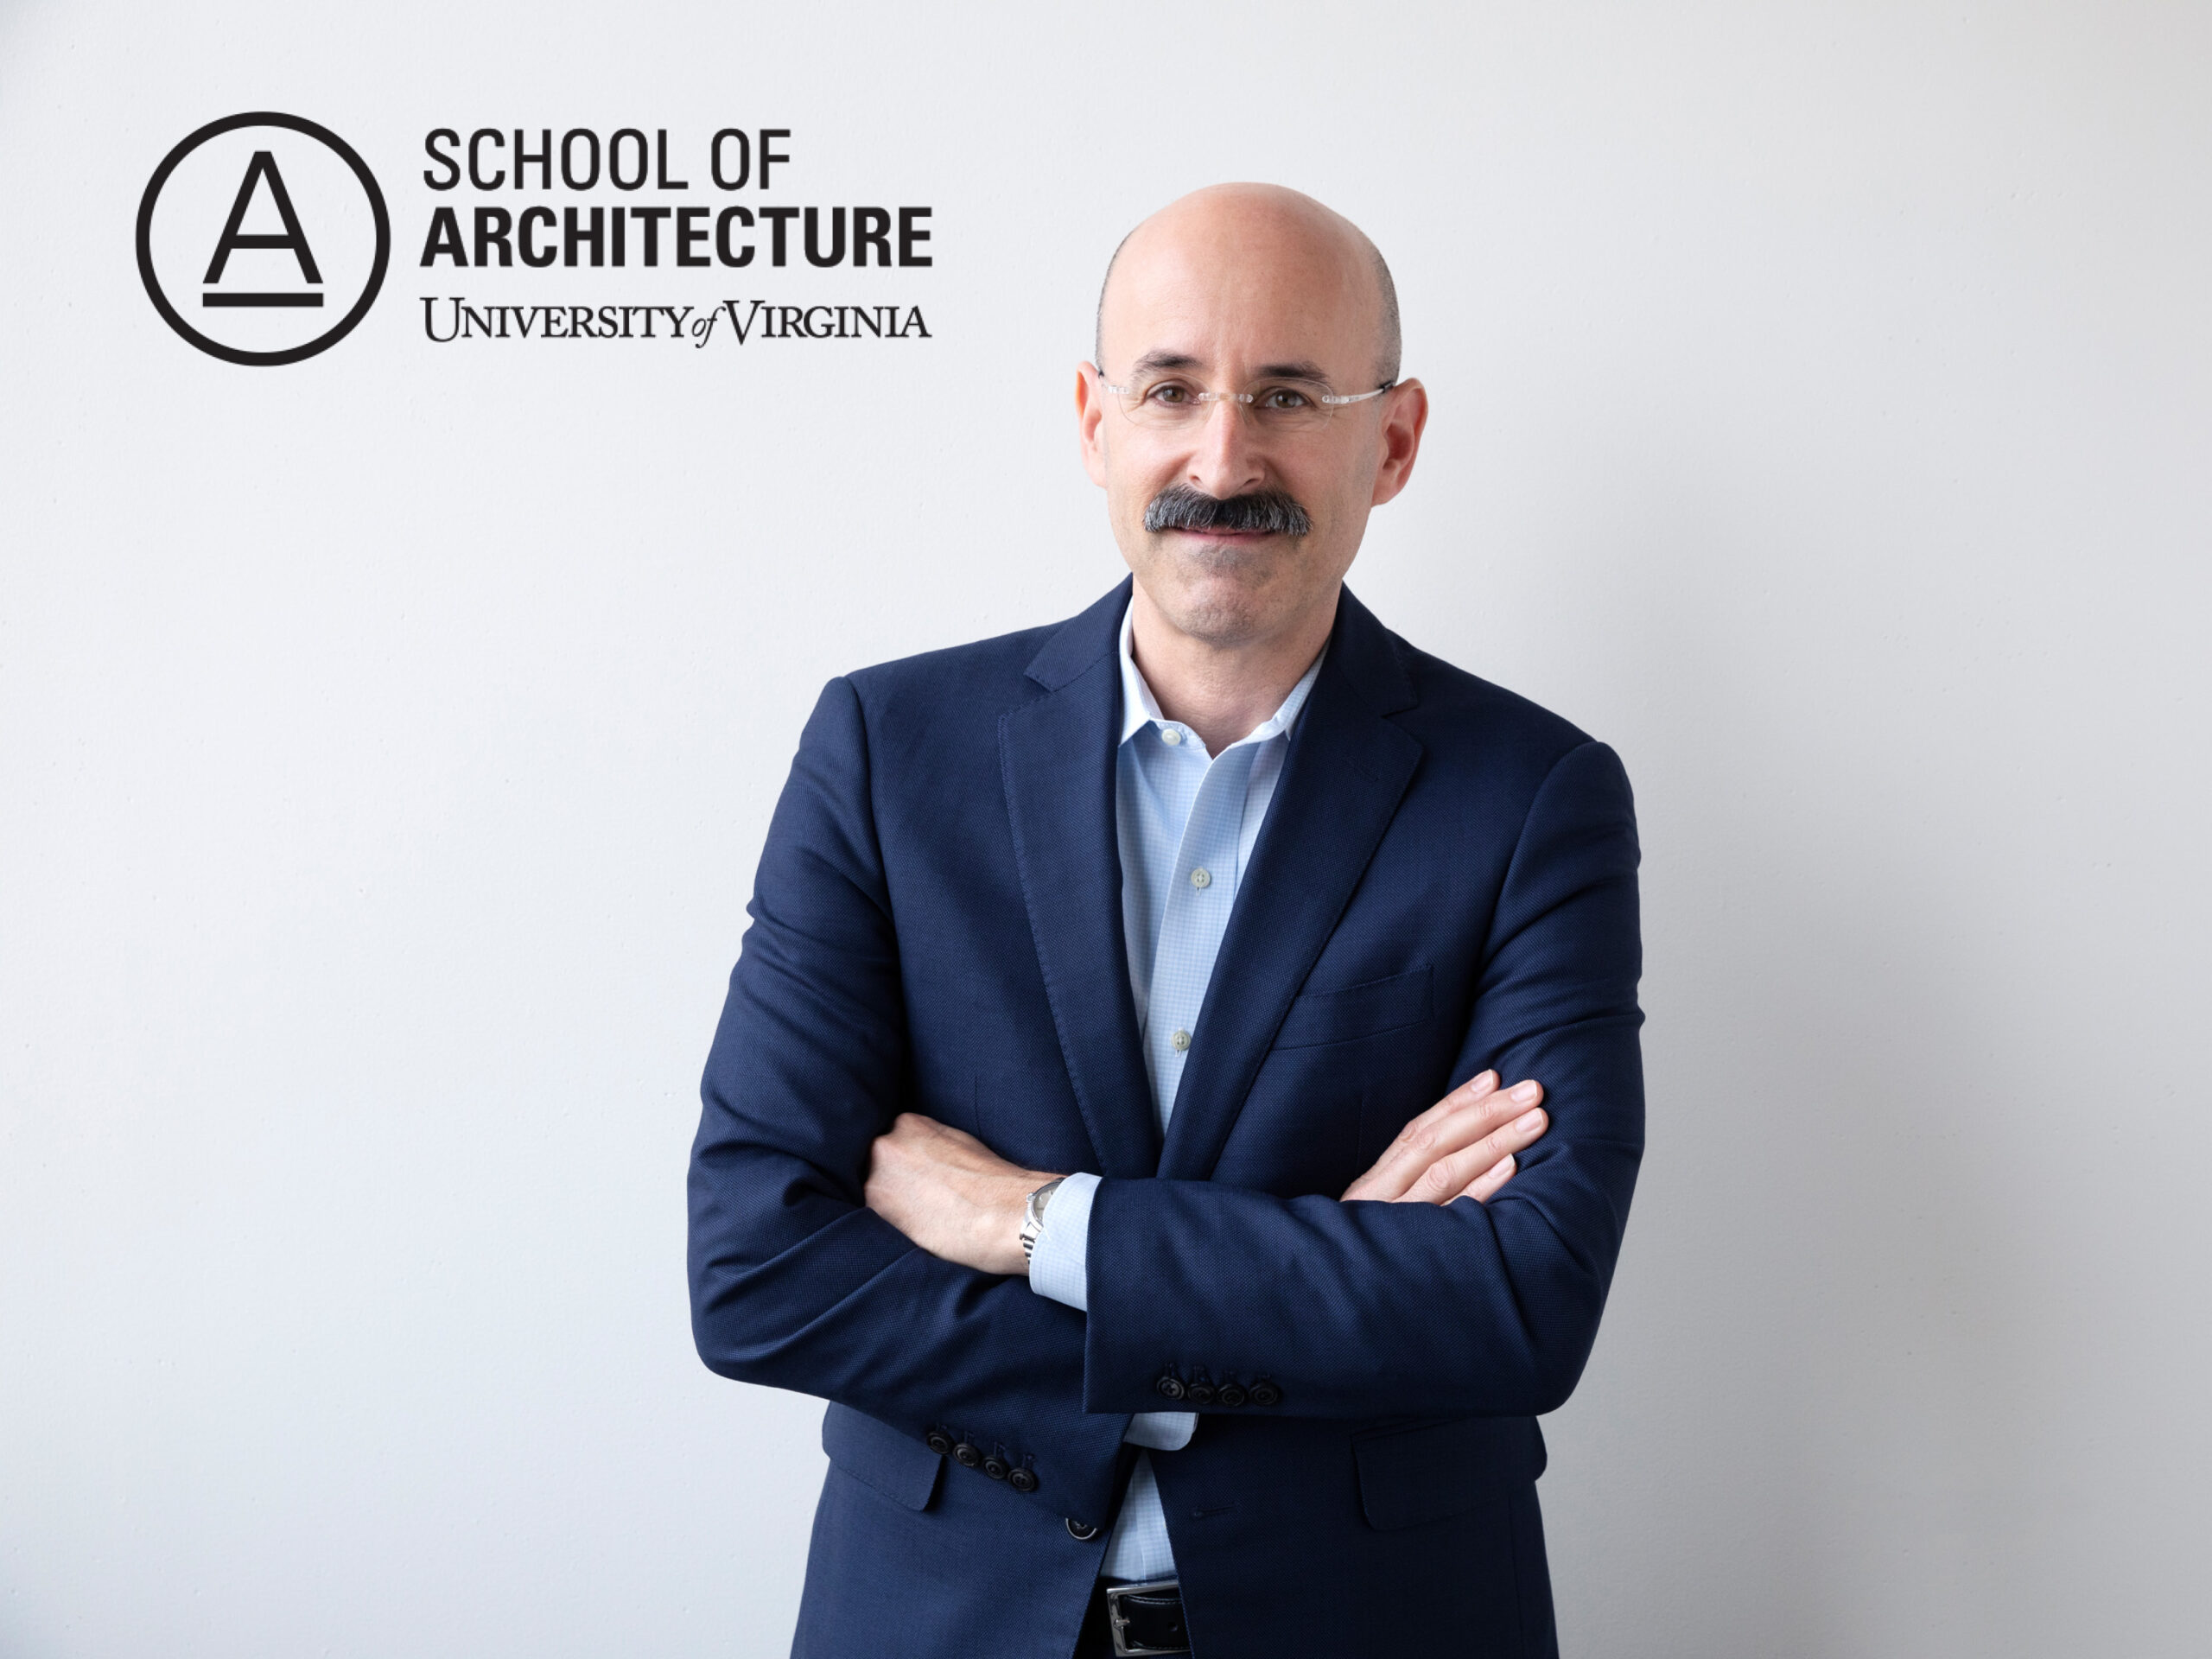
x: 875, y: 1454
x: 1411, y: 1476
x: 1368, y: 1010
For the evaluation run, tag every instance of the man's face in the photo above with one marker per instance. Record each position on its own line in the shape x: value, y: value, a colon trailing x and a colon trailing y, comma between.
x: 1237, y: 299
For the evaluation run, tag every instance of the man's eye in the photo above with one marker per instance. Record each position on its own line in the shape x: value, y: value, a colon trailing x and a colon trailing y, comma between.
x: 1284, y: 398
x: 1169, y: 393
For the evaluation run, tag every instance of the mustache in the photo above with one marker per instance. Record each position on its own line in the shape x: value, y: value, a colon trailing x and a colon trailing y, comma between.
x: 1270, y: 513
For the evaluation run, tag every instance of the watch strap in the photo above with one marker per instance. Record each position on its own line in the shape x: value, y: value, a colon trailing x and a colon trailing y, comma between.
x: 1033, y: 1215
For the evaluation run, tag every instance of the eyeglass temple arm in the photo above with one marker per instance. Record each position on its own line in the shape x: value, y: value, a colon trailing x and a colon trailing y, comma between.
x: 1357, y: 397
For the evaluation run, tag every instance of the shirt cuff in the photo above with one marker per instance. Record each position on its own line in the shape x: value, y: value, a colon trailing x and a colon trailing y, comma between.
x: 1059, y: 1266
x: 1163, y: 1430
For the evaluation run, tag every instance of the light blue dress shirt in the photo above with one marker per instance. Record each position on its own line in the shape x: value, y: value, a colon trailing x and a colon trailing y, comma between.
x: 1186, y: 822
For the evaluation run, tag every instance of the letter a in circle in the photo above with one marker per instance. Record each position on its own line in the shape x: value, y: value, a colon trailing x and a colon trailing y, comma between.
x: 263, y: 166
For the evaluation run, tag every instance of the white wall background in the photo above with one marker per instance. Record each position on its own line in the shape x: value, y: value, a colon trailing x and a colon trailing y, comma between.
x: 1821, y: 416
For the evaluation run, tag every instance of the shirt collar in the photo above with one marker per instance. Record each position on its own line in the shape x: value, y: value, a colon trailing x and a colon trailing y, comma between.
x: 1140, y: 709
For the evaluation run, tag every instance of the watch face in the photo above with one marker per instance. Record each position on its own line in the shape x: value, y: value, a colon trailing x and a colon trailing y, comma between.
x: 1033, y: 1215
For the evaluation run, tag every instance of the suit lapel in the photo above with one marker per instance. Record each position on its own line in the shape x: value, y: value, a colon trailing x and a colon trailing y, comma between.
x: 1347, y: 770
x: 1057, y: 757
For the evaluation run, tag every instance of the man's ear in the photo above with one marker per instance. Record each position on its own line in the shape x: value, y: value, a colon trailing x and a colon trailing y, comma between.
x: 1405, y: 413
x: 1090, y: 411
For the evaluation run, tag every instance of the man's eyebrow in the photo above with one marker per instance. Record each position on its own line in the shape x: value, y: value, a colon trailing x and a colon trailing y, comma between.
x: 1163, y: 360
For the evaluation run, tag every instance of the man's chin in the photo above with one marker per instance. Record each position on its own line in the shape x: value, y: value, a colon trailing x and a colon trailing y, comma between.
x: 1216, y: 607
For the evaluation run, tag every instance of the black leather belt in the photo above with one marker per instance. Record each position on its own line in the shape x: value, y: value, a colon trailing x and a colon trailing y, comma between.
x: 1146, y: 1619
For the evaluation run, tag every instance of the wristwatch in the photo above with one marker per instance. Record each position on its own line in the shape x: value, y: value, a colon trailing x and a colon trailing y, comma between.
x: 1032, y: 1214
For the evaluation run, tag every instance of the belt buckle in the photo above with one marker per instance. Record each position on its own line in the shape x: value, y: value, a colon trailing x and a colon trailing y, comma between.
x: 1118, y: 1621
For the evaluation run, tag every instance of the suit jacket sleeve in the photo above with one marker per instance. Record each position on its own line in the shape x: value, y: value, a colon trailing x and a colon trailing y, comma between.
x: 1356, y: 1310
x: 794, y: 1283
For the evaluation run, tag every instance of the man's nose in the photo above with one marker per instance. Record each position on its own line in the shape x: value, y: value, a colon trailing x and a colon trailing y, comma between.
x: 1225, y: 459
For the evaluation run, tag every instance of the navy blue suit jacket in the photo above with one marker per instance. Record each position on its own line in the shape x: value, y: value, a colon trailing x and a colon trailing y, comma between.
x: 1446, y: 882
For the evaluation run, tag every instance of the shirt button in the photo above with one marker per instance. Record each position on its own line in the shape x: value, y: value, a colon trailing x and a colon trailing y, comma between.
x: 1202, y: 877
x: 1170, y: 736
x: 1180, y: 1041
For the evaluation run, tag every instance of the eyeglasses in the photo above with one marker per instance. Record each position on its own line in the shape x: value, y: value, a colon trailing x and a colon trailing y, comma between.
x: 1170, y: 401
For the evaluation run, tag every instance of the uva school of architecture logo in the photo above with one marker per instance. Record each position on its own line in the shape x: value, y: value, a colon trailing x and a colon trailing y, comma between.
x: 262, y: 238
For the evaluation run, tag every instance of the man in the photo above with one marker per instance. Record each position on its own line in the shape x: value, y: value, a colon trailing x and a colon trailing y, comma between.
x: 1070, y: 1124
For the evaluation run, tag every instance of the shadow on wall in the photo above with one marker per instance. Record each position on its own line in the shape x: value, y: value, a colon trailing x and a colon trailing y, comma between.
x: 1821, y: 1339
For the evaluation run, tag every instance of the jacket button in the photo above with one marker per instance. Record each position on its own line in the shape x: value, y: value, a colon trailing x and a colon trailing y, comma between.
x: 969, y: 1457
x: 994, y: 1467
x: 1022, y: 1480
x: 1266, y: 1394
x: 1230, y: 1395
x: 1081, y: 1533
x: 1199, y: 1394
x: 1170, y: 1387
x: 940, y: 1442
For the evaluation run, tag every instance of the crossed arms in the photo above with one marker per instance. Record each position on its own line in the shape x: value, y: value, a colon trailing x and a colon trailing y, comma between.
x: 803, y: 1276
x: 963, y: 1203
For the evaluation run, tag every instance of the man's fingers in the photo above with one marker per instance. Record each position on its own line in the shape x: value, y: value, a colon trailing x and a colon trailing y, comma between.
x: 1461, y: 1121
x: 1474, y: 1088
x: 1422, y: 1130
x: 1442, y: 1128
x: 1484, y: 1185
x: 1450, y: 1175
x: 1418, y: 1143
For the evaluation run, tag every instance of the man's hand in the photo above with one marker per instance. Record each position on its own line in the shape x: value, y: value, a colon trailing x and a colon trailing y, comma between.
x: 1461, y: 1148
x: 951, y: 1194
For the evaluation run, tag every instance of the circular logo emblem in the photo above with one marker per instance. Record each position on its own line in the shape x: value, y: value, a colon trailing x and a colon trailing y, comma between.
x: 262, y: 238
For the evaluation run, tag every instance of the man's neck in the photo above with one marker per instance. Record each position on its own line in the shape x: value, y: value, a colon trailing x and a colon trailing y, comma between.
x: 1222, y: 691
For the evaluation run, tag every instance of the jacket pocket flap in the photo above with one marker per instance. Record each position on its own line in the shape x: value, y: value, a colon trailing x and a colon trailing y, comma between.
x: 1378, y: 1006
x: 876, y: 1454
x: 1410, y: 1475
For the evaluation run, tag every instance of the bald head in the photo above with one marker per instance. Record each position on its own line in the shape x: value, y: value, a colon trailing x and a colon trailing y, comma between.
x: 1246, y: 234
